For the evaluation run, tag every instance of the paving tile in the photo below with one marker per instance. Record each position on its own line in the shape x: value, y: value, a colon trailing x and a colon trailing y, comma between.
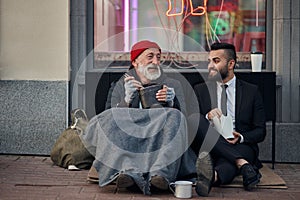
x: 35, y: 177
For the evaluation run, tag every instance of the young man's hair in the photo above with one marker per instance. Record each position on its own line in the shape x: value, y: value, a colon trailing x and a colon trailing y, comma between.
x: 229, y: 49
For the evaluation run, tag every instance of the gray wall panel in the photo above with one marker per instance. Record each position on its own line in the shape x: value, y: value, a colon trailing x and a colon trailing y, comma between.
x: 32, y: 115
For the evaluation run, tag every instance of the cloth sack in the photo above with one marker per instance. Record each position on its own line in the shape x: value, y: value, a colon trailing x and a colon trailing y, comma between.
x: 69, y: 150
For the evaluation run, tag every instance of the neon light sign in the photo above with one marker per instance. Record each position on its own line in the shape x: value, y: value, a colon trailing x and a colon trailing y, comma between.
x: 198, y: 11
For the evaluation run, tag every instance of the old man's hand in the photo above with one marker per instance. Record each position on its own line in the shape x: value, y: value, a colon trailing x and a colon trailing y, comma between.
x: 166, y: 94
x: 130, y: 85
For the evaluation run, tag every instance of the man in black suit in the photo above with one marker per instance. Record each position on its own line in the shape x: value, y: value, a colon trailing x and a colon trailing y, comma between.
x: 239, y: 154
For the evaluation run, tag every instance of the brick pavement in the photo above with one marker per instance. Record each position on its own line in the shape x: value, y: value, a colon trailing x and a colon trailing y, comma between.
x: 35, y: 177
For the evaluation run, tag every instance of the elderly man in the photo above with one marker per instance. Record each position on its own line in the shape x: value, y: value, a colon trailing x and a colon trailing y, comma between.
x: 145, y: 70
x: 142, y: 148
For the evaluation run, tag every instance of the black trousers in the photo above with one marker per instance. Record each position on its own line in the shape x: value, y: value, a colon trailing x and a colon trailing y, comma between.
x: 224, y: 154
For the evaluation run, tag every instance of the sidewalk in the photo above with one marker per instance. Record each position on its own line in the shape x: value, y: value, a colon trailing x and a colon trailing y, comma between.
x: 35, y: 177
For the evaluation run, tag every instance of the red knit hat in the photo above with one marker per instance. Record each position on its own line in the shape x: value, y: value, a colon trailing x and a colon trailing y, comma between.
x: 140, y: 47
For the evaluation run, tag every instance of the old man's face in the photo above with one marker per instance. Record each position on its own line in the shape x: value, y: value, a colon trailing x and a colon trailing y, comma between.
x: 148, y: 64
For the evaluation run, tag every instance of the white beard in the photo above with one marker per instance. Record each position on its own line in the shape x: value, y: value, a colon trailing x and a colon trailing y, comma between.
x: 149, y: 75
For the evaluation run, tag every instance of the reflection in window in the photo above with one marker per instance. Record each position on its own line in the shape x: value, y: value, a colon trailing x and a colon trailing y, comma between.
x: 186, y: 25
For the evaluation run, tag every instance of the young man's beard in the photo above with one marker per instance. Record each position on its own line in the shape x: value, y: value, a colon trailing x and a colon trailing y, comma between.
x: 150, y: 75
x: 221, y: 75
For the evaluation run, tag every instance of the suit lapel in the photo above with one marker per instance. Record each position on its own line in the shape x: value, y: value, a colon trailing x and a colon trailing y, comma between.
x: 212, y: 89
x: 239, y: 94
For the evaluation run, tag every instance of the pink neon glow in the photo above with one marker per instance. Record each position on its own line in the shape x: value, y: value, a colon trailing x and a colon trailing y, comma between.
x: 134, y: 21
x: 126, y: 25
x: 256, y: 13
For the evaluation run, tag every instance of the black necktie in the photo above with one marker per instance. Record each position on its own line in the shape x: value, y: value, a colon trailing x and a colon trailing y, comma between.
x: 224, y: 100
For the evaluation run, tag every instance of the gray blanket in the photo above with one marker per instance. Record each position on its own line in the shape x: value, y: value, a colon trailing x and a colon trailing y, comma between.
x: 141, y: 143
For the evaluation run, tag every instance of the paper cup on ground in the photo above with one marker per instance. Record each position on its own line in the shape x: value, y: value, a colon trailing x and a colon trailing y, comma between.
x: 183, y: 189
x: 256, y: 61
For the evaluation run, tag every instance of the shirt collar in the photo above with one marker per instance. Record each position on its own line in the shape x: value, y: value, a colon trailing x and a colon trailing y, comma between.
x: 230, y: 83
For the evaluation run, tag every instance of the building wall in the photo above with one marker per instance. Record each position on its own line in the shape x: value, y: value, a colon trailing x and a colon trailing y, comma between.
x: 286, y: 43
x: 286, y: 63
x: 34, y: 36
x: 34, y: 74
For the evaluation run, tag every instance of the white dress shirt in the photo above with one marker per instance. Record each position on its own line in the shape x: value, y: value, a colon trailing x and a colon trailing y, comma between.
x: 230, y: 91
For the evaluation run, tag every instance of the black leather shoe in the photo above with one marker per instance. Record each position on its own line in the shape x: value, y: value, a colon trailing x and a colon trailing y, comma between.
x: 251, y: 177
x: 205, y: 174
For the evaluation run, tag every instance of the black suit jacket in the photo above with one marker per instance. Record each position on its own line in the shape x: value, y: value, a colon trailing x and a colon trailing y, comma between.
x: 249, y: 110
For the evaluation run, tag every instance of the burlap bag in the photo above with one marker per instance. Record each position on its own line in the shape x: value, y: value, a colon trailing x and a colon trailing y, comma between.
x: 69, y: 150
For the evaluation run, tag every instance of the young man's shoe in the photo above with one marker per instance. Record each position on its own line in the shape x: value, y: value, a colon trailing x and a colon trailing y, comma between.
x: 251, y: 177
x: 205, y: 174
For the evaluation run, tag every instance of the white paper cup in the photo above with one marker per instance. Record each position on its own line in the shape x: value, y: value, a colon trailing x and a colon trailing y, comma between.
x: 256, y: 61
x: 183, y: 189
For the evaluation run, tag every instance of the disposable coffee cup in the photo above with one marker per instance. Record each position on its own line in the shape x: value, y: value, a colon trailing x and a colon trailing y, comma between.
x: 183, y: 189
x: 256, y: 61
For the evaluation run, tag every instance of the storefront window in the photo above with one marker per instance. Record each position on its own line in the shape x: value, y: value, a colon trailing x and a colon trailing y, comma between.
x: 240, y: 22
x: 180, y: 25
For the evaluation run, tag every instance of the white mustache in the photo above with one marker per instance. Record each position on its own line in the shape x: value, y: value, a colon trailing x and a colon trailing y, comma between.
x: 152, y: 67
